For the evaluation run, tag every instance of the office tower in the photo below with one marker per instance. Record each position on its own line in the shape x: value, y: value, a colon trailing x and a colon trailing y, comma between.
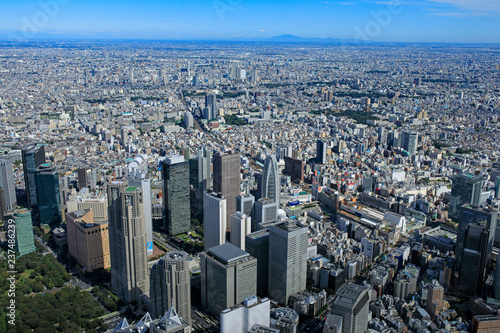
x: 188, y: 120
x: 48, y: 196
x: 235, y: 66
x: 227, y: 178
x: 381, y: 133
x: 228, y: 276
x: 7, y: 183
x: 244, y: 204
x: 254, y: 76
x: 138, y: 176
x: 465, y: 189
x: 2, y: 204
x: 200, y: 177
x: 176, y: 204
x: 170, y: 285
x: 485, y: 323
x: 131, y: 76
x: 211, y: 102
x: 271, y: 182
x: 32, y: 156
x: 257, y: 245
x: 241, y: 225
x: 287, y: 259
x: 406, y: 282
x: 240, y: 318
x: 88, y: 241
x: 333, y: 324
x: 470, y: 215
x: 435, y: 298
x: 410, y: 141
x: 124, y: 135
x: 295, y: 169
x: 497, y: 187
x: 474, y: 260
x: 285, y: 320
x: 24, y: 241
x: 127, y: 241
x: 84, y: 176
x: 214, y: 219
x: 351, y: 303
x: 208, y: 113
x: 320, y: 152
x: 265, y: 211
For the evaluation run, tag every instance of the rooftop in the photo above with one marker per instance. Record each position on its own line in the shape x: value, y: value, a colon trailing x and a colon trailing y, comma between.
x: 131, y: 189
x: 227, y: 253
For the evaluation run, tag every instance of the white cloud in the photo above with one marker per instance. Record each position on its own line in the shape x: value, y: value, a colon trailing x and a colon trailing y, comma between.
x: 489, y: 6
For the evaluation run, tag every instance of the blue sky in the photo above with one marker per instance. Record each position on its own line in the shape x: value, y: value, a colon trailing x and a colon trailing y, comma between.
x: 382, y: 20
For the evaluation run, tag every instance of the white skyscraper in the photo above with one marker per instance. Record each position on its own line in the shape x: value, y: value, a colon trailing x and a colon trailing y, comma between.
x: 271, y: 180
x: 214, y: 219
x: 241, y: 225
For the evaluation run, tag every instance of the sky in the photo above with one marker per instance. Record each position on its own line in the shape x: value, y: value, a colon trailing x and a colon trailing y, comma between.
x: 453, y: 21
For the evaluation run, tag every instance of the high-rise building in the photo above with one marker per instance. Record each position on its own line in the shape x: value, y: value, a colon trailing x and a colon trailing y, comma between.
x: 257, y: 245
x: 465, y: 189
x: 244, y: 203
x: 228, y: 276
x: 410, y: 142
x: 88, y: 241
x: 24, y: 241
x: 294, y: 168
x: 351, y: 303
x: 240, y: 318
x: 471, y: 215
x: 497, y: 187
x: 474, y: 259
x: 320, y: 152
x: 84, y: 176
x: 241, y: 225
x: 435, y: 298
x: 211, y: 102
x: 127, y: 241
x: 138, y: 176
x: 214, y: 219
x: 176, y: 203
x: 271, y: 186
x: 285, y: 320
x: 48, y: 195
x: 200, y: 177
x: 33, y: 156
x: 170, y: 285
x: 287, y: 259
x: 7, y: 183
x: 227, y: 178
x: 265, y: 211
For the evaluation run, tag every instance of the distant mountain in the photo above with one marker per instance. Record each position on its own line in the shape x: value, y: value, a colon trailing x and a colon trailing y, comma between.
x: 296, y: 39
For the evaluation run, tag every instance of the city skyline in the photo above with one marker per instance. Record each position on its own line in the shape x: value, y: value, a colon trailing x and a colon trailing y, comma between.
x: 435, y: 21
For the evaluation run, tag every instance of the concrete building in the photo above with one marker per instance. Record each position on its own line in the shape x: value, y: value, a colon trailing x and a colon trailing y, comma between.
x: 241, y: 225
x: 24, y: 240
x: 227, y: 178
x: 244, y: 204
x: 465, y: 189
x: 242, y: 317
x: 214, y: 219
x: 170, y: 285
x: 127, y: 239
x: 257, y: 245
x: 351, y: 303
x: 48, y: 195
x: 287, y: 259
x: 176, y: 203
x: 271, y: 186
x: 88, y: 241
x: 333, y: 324
x: 228, y: 276
x: 265, y: 211
x: 284, y: 319
x: 435, y: 298
x: 33, y: 156
x: 7, y: 183
x: 200, y: 177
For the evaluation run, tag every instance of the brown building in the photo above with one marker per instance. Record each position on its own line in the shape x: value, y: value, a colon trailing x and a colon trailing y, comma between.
x: 227, y: 178
x: 435, y: 298
x: 294, y: 168
x: 88, y: 242
x: 485, y: 324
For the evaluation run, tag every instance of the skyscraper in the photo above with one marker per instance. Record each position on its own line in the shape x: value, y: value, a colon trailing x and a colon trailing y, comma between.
x: 32, y: 156
x: 271, y: 182
x: 24, y: 230
x: 465, y: 189
x: 497, y: 187
x: 48, y: 196
x: 227, y: 178
x: 474, y: 259
x: 7, y: 183
x: 127, y: 240
x: 241, y: 225
x: 176, y: 203
x: 244, y: 203
x: 265, y: 211
x: 479, y: 215
x: 214, y: 219
x: 410, y: 141
x: 320, y: 152
x: 287, y: 259
x: 138, y: 176
x: 435, y: 298
x: 351, y: 303
x: 257, y: 245
x: 170, y: 285
x: 211, y: 102
x: 200, y: 177
x: 84, y: 175
x: 228, y: 276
